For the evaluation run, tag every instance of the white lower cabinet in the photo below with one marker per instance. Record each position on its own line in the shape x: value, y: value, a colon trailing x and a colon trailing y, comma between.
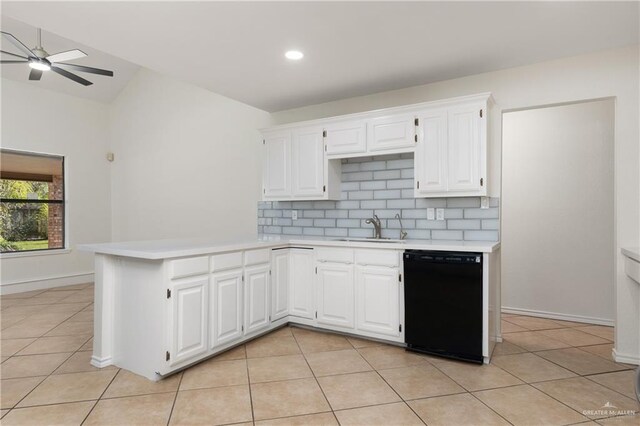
x: 226, y: 306
x: 280, y: 282
x: 377, y: 295
x: 336, y: 296
x: 257, y: 307
x: 188, y: 318
x: 302, y: 301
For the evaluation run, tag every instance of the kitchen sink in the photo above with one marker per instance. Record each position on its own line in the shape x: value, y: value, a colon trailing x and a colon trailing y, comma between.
x: 371, y: 240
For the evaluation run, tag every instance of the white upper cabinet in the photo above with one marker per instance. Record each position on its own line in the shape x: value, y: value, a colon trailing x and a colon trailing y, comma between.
x: 393, y: 132
x: 188, y: 318
x: 307, y: 163
x: 257, y: 306
x: 277, y: 166
x: 448, y: 137
x: 346, y: 137
x: 431, y: 153
x: 465, y: 126
x: 451, y: 153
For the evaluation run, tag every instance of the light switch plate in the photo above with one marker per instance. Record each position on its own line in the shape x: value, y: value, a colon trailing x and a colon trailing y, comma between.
x: 294, y: 214
x: 439, y: 214
x: 484, y: 202
x: 431, y: 213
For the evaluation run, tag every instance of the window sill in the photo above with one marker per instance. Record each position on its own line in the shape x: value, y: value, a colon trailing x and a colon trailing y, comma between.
x: 12, y: 254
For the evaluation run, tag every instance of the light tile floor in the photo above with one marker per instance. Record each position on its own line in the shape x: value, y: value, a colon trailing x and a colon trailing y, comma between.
x: 546, y: 372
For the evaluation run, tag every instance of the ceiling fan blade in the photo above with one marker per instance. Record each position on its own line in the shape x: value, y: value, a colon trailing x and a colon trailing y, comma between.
x: 13, y: 54
x: 13, y: 62
x: 35, y: 74
x: 17, y: 43
x: 85, y: 69
x: 69, y: 55
x: 71, y: 76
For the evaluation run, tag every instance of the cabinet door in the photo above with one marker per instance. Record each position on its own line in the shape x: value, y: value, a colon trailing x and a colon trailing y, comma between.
x: 302, y: 294
x: 377, y: 290
x: 464, y: 148
x: 308, y: 163
x: 256, y: 298
x: 336, y: 295
x: 226, y: 306
x: 431, y: 153
x: 389, y: 133
x: 188, y: 318
x: 280, y: 282
x: 347, y: 137
x: 277, y: 166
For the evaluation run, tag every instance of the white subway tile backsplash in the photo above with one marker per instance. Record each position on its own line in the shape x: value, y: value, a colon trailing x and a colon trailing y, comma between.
x: 490, y: 224
x: 382, y: 185
x: 463, y: 224
x: 373, y: 165
x: 446, y: 235
x: 481, y: 235
x: 314, y: 214
x: 401, y: 204
x: 360, y: 195
x: 373, y: 204
x: 463, y: 202
x: 387, y: 194
x: 400, y: 183
x: 373, y: 185
x: 491, y: 213
x: 386, y: 174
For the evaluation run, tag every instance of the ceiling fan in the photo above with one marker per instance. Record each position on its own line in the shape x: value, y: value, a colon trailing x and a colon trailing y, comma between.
x: 40, y: 61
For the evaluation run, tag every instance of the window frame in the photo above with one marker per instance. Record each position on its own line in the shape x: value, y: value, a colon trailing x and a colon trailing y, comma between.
x: 65, y: 230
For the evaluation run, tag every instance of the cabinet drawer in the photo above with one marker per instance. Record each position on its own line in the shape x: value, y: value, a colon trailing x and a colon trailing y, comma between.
x: 255, y: 257
x: 334, y: 255
x: 189, y: 266
x: 374, y: 257
x: 221, y: 262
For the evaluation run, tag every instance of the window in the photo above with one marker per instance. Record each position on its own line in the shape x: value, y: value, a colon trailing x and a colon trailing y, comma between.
x: 32, y: 206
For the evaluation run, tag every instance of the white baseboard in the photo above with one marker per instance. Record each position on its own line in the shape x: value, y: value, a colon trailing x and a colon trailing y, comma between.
x: 101, y: 362
x: 626, y: 358
x: 45, y: 283
x: 557, y: 316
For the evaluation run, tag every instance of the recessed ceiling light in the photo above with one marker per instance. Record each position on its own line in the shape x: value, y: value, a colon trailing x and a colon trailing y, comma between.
x: 294, y: 55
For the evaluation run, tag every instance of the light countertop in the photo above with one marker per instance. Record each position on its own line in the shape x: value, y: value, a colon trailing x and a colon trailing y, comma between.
x: 632, y: 253
x: 167, y: 249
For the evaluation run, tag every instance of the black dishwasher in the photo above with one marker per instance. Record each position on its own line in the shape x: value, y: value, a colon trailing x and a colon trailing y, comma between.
x: 443, y: 303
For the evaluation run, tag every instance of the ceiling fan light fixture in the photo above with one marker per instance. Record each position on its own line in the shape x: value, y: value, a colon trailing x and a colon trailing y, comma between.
x: 39, y: 65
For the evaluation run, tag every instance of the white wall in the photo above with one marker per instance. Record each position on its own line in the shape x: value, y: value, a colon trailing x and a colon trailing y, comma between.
x: 591, y: 76
x: 187, y: 162
x: 557, y: 211
x: 40, y: 120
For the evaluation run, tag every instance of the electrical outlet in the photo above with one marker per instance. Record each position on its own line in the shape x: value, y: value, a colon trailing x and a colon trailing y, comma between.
x: 484, y: 202
x: 431, y: 213
x: 294, y: 214
x: 439, y: 214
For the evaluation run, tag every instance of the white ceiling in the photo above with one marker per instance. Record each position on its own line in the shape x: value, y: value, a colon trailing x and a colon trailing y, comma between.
x: 103, y: 89
x: 356, y: 48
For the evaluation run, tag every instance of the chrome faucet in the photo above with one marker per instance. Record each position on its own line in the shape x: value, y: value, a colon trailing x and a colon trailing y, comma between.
x: 375, y: 221
x: 403, y: 233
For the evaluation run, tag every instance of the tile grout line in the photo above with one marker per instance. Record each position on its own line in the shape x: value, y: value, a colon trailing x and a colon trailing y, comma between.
x: 175, y: 398
x: 100, y: 397
x: 304, y: 356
